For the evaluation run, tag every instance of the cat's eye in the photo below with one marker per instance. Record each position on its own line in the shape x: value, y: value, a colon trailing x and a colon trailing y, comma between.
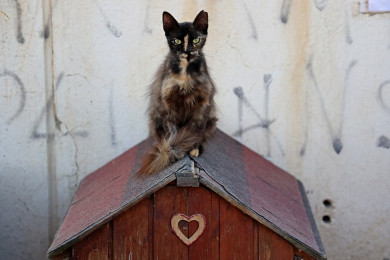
x: 177, y: 41
x: 196, y: 40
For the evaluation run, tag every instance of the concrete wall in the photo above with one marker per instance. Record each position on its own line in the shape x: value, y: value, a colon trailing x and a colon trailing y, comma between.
x: 305, y: 83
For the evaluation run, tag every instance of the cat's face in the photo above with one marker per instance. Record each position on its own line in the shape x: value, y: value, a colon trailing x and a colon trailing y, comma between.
x: 186, y: 39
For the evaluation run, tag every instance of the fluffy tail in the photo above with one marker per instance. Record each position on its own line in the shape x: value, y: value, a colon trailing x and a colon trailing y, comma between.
x: 168, y: 151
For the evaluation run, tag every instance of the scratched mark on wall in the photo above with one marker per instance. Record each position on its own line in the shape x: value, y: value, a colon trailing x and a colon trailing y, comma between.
x: 335, y: 135
x: 285, y: 10
x: 320, y: 4
x: 263, y: 122
x: 19, y: 36
x: 35, y: 134
x: 381, y: 101
x: 251, y: 22
x: 112, y: 118
x: 58, y: 123
x: 347, y: 76
x: 383, y: 142
x: 267, y: 79
x: 22, y: 102
x: 302, y: 151
x: 242, y: 100
x: 112, y: 28
x: 347, y: 28
x: 336, y: 139
x: 46, y: 29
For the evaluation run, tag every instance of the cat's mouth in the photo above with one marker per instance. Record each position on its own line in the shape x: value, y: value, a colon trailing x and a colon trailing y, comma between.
x: 187, y: 56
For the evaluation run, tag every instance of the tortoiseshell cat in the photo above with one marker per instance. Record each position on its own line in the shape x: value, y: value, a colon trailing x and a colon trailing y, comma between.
x: 182, y: 109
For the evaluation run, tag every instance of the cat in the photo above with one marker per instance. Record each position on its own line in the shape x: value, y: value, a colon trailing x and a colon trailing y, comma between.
x: 182, y: 113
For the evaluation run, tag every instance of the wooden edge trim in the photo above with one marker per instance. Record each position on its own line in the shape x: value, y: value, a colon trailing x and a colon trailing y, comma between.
x: 309, y: 213
x: 250, y: 212
x: 88, y: 230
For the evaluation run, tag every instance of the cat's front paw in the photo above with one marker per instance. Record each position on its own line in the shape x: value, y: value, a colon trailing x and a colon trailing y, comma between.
x: 194, y: 152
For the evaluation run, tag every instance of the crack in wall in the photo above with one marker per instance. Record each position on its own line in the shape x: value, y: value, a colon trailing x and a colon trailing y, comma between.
x: 238, y: 52
x: 75, y: 174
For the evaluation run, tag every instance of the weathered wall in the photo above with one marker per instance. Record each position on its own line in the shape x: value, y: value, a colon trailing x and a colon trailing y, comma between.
x: 306, y: 83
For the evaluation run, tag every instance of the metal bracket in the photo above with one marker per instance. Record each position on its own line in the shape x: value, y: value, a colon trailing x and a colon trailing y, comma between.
x: 187, y: 176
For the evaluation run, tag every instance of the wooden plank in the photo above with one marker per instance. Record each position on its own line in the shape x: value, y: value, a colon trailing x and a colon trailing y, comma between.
x: 66, y: 255
x: 255, y: 239
x: 199, y: 201
x: 300, y: 255
x: 236, y: 233
x: 151, y: 226
x: 167, y: 202
x: 214, y: 226
x: 97, y: 245
x: 131, y: 232
x: 272, y: 246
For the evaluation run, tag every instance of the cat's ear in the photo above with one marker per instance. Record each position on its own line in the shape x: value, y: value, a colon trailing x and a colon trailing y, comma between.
x: 201, y: 22
x: 169, y: 23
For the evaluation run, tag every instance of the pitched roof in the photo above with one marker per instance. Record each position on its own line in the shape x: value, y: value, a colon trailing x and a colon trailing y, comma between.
x: 248, y: 181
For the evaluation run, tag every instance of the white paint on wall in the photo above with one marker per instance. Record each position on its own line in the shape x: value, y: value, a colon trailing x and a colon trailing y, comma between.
x: 304, y: 83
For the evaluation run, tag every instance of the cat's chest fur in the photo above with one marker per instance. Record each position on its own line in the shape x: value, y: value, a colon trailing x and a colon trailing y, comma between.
x: 184, y: 91
x: 183, y: 85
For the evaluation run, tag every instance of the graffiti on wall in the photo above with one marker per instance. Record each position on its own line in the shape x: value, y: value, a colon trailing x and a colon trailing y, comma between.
x: 383, y: 141
x: 60, y: 126
x: 22, y: 101
x: 109, y: 25
x: 263, y: 122
x: 286, y: 7
x: 19, y: 36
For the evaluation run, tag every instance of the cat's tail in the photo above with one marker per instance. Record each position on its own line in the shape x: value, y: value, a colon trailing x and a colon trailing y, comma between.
x: 168, y: 151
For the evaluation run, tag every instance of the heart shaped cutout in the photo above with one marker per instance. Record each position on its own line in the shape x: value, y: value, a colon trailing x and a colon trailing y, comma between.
x: 196, y: 217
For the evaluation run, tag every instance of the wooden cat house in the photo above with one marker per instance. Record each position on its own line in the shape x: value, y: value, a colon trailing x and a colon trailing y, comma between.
x: 229, y: 203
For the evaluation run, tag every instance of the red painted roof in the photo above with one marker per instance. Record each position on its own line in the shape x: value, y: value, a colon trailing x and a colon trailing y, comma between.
x: 262, y: 190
